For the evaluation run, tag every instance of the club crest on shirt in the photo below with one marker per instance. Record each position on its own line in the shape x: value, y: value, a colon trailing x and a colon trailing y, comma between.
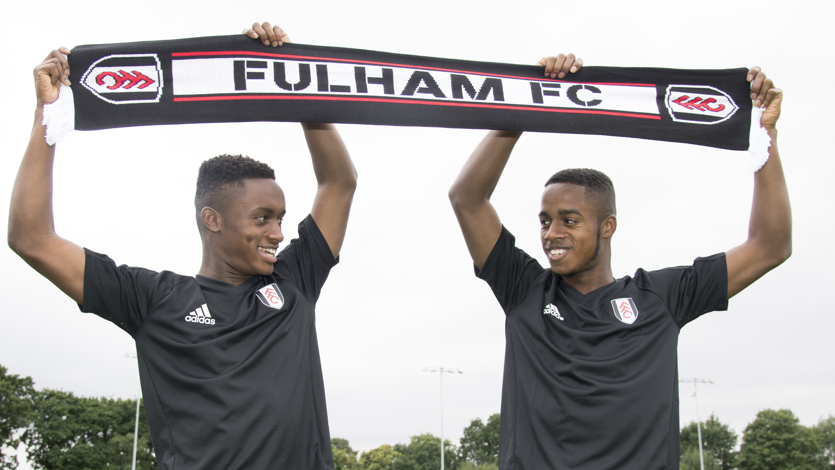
x: 625, y: 310
x: 271, y: 296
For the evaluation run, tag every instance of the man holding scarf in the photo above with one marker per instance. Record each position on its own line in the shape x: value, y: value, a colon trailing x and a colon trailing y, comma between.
x: 590, y: 373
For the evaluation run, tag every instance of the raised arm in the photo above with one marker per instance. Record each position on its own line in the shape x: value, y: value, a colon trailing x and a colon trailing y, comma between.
x: 31, y: 228
x: 471, y: 191
x: 335, y: 172
x: 770, y: 227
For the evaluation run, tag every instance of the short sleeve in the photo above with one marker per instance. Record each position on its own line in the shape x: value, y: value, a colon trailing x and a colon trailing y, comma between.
x: 307, y: 261
x: 691, y: 291
x: 509, y: 271
x: 121, y: 294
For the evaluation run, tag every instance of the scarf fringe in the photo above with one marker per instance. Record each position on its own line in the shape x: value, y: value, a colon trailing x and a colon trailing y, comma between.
x: 59, y: 116
x: 758, y: 142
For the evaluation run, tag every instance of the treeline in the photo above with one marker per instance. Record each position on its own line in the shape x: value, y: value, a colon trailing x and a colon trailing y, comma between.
x: 775, y: 440
x: 478, y: 450
x: 63, y: 432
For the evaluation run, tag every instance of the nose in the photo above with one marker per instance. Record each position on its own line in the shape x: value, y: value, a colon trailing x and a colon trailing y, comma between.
x: 274, y: 233
x: 554, y: 232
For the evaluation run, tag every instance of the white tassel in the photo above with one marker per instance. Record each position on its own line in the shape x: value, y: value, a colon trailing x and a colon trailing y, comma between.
x: 59, y: 116
x: 758, y: 141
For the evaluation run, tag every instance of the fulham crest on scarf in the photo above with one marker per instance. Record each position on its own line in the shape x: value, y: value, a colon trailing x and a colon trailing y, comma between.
x: 271, y: 296
x: 625, y: 310
x: 125, y: 78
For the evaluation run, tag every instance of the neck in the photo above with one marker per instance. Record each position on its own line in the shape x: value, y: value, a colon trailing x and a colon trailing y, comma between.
x: 215, y: 268
x: 594, y: 278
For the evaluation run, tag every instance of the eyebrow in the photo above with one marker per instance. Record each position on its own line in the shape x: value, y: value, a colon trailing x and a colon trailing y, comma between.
x: 562, y: 212
x: 267, y: 210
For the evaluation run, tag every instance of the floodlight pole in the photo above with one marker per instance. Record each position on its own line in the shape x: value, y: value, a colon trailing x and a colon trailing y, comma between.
x: 698, y: 419
x: 136, y: 423
x: 441, y: 372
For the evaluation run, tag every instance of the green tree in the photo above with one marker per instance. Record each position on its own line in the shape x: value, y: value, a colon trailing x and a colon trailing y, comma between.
x: 344, y: 457
x: 480, y: 442
x: 15, y: 412
x: 690, y: 460
x: 718, y: 442
x: 424, y: 453
x: 825, y: 431
x: 381, y: 458
x: 69, y: 432
x: 467, y: 465
x: 777, y: 440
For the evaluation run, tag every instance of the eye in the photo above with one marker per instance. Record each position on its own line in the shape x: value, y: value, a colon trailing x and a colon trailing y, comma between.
x: 261, y: 218
x: 544, y: 222
x: 280, y: 221
x: 570, y: 221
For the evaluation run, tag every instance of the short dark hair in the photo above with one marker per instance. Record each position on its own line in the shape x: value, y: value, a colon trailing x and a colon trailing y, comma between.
x: 223, y: 176
x: 599, y: 188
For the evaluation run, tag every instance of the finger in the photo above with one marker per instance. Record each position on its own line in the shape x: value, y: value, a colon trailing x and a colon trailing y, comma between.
x: 260, y: 33
x: 753, y: 72
x: 250, y: 33
x: 772, y: 114
x: 281, y: 35
x: 578, y: 64
x: 543, y: 61
x: 557, y: 72
x: 60, y: 69
x: 65, y: 70
x: 757, y: 88
x: 549, y: 65
x: 761, y: 100
x: 268, y: 28
x: 566, y: 66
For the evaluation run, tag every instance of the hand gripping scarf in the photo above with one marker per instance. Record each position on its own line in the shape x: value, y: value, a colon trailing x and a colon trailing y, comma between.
x: 237, y: 79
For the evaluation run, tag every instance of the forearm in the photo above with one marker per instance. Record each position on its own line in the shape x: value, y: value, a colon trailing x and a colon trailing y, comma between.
x: 30, y: 211
x: 480, y: 174
x: 770, y: 226
x: 331, y: 161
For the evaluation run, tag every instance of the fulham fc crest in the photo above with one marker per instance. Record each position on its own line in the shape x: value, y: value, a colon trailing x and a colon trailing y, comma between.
x: 699, y: 104
x: 270, y: 296
x: 125, y: 78
x: 625, y: 310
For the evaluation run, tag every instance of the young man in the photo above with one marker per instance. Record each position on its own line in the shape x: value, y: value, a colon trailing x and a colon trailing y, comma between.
x: 228, y: 359
x: 590, y: 373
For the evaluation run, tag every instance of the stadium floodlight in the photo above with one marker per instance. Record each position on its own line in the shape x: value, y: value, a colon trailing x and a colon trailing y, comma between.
x: 698, y: 420
x: 441, y: 371
x: 136, y: 424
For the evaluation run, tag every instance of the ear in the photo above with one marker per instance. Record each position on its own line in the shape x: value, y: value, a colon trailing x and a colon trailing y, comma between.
x: 211, y: 218
x: 609, y: 225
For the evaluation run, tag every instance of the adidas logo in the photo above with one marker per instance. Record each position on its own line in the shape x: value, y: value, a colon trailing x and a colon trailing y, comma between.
x: 201, y: 315
x: 551, y: 309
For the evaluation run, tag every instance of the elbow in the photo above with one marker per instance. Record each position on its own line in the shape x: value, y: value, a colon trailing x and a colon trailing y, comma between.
x: 18, y: 242
x: 779, y: 255
x: 456, y: 195
x: 786, y: 253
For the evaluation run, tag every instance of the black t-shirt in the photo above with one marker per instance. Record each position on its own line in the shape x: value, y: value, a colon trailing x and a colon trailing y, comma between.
x: 591, y: 381
x: 230, y: 375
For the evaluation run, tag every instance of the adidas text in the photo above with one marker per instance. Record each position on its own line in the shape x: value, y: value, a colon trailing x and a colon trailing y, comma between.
x: 201, y: 315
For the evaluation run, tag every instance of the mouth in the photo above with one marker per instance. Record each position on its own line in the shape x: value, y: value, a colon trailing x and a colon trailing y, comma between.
x: 268, y: 253
x: 556, y: 254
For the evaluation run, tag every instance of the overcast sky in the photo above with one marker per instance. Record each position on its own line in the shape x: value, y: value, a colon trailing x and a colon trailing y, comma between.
x: 404, y: 296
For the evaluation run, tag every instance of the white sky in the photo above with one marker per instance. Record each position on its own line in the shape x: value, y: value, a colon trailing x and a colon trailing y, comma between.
x: 404, y: 296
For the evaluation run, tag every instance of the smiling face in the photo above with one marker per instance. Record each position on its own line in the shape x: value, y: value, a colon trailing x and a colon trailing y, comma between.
x: 250, y: 229
x: 571, y: 232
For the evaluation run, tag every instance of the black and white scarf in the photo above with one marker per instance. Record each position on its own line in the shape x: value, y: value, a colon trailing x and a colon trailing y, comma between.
x: 236, y: 79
